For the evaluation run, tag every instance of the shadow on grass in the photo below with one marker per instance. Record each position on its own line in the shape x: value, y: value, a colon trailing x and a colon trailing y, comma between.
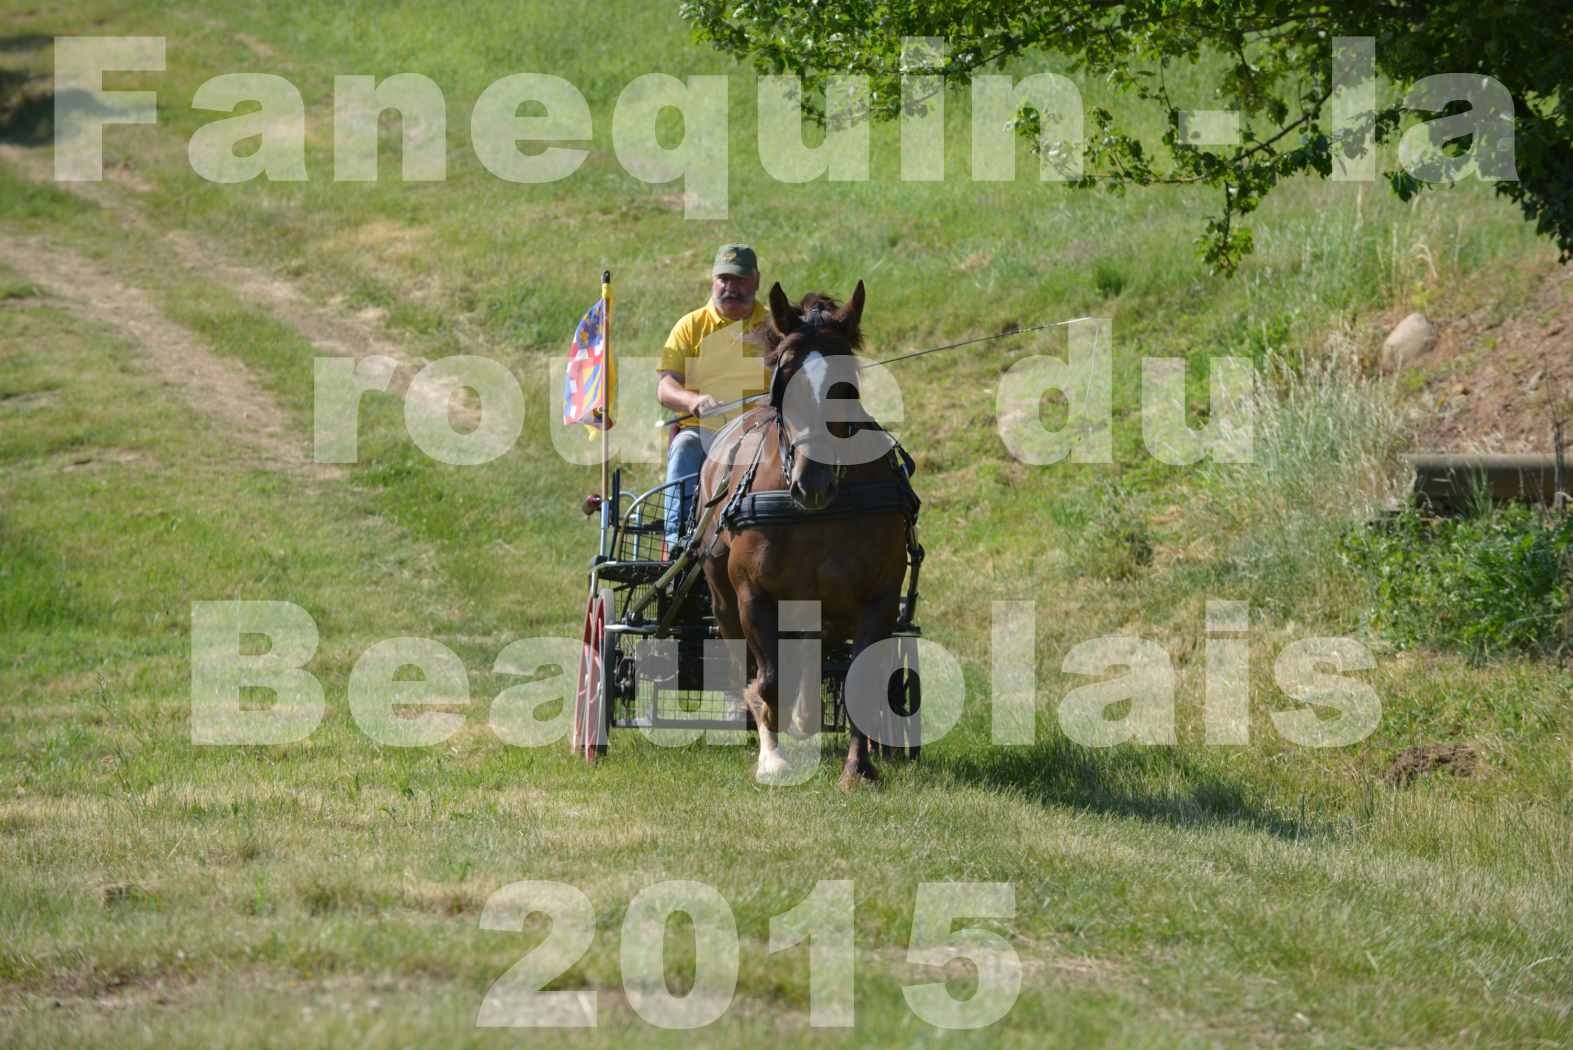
x: 20, y: 43
x: 1160, y: 784
x: 27, y: 114
x: 29, y: 108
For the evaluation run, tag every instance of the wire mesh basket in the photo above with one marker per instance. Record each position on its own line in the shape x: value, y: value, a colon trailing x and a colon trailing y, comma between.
x: 641, y: 536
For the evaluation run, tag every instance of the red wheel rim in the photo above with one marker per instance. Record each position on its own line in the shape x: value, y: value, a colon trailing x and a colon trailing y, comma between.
x: 588, y: 719
x: 596, y: 727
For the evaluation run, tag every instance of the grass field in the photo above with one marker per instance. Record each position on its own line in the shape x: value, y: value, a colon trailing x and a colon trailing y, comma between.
x: 157, y: 334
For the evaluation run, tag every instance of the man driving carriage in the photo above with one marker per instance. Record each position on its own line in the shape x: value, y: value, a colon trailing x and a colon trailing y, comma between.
x: 714, y: 355
x: 808, y: 527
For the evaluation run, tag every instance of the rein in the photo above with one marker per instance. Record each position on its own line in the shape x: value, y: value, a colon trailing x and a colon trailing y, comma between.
x: 816, y: 319
x: 969, y: 342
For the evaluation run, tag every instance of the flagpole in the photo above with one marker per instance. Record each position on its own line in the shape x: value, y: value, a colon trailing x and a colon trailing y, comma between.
x: 606, y: 381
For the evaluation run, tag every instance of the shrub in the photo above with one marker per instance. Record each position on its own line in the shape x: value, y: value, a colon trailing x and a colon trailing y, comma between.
x: 1108, y: 279
x: 1324, y: 439
x: 1494, y: 582
x: 1324, y: 455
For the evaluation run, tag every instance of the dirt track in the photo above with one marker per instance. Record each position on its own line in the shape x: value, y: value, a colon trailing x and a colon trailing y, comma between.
x: 223, y: 389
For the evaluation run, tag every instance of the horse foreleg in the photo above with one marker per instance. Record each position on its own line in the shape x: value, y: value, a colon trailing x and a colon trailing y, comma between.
x: 873, y: 625
x: 758, y: 618
x: 723, y: 600
x: 773, y: 766
x: 859, y: 767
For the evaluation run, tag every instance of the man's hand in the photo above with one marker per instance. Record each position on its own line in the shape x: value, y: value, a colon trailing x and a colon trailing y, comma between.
x: 674, y: 395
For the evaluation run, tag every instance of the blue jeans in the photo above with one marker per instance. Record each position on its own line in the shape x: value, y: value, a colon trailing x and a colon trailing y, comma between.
x: 685, y: 456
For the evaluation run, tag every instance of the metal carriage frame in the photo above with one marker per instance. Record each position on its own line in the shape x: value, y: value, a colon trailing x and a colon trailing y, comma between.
x: 650, y: 642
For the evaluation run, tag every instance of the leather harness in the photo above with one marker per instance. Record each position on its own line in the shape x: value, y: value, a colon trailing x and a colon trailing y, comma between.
x: 747, y: 509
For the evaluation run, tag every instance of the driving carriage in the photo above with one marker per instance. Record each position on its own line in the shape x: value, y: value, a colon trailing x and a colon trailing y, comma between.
x: 652, y: 654
x: 804, y: 506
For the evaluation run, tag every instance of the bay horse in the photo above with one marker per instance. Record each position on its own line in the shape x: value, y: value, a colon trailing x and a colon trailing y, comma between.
x: 850, y: 560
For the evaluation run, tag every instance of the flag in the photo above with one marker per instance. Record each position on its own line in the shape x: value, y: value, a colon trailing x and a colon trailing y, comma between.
x: 591, y: 382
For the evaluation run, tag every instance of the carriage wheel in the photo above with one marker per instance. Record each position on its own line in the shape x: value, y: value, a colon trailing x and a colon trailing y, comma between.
x: 905, y: 696
x: 590, y: 713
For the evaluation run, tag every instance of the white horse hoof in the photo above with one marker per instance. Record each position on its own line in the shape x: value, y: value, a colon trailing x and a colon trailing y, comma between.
x: 772, y: 770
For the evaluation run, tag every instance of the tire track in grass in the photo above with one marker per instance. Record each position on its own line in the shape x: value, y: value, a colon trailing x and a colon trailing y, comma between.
x: 331, y: 332
x: 224, y: 391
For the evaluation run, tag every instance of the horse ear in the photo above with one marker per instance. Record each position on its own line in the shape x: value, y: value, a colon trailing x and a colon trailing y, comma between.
x: 852, y: 313
x: 781, y: 311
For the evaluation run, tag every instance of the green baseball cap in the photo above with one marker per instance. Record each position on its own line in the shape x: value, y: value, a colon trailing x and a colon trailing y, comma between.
x: 736, y: 259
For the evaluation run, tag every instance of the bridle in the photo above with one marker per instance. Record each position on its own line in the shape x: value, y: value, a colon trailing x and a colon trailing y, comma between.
x: 813, y: 320
x: 838, y: 469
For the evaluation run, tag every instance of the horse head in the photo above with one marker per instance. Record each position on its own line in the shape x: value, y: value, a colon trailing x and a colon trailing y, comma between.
x: 814, y: 388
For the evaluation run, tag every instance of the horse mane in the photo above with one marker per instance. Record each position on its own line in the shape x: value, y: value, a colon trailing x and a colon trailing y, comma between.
x: 832, y: 336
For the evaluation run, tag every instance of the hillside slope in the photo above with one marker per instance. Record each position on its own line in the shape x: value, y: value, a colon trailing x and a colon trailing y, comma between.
x: 1498, y: 381
x: 158, y: 335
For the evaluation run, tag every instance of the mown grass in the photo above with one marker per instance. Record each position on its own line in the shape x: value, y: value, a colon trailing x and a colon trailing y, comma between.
x: 329, y: 891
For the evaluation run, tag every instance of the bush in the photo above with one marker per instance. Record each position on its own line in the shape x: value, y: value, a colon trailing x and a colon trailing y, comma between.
x: 1324, y: 442
x: 1324, y: 455
x: 1488, y: 584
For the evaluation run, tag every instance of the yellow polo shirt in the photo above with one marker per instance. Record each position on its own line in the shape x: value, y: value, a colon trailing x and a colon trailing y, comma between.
x: 713, y: 355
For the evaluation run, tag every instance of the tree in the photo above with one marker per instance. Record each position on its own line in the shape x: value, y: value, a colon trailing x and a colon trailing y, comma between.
x: 1508, y: 108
